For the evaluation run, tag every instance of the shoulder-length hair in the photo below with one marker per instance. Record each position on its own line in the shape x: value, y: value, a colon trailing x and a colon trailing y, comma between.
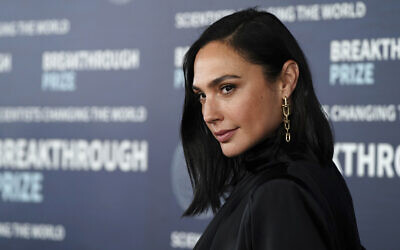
x: 261, y: 39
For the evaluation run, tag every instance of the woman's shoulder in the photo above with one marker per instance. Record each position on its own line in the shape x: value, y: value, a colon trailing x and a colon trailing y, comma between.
x: 283, y: 188
x: 306, y: 195
x: 300, y: 173
x: 284, y: 185
x: 304, y: 182
x: 285, y: 205
x: 308, y: 175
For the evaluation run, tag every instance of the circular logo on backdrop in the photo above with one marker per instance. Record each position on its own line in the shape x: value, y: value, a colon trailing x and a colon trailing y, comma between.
x: 181, y: 182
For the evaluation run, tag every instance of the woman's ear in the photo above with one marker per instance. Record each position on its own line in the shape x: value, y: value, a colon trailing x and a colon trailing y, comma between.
x: 289, y: 76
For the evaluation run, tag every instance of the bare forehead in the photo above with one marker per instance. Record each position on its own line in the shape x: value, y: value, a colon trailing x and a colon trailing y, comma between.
x: 216, y: 60
x: 217, y: 51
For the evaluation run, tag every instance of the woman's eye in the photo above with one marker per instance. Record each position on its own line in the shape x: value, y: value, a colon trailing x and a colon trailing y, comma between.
x: 227, y: 89
x: 201, y: 97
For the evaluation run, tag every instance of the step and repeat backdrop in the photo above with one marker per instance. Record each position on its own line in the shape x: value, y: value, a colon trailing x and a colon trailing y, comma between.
x: 91, y: 95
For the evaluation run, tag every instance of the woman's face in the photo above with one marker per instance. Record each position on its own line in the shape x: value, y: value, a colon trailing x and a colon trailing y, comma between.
x: 239, y: 106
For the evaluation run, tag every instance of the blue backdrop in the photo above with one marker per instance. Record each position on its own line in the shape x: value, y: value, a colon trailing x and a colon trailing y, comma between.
x: 91, y: 94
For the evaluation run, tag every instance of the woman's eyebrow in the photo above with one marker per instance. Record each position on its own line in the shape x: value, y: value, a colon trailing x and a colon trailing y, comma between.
x: 217, y: 80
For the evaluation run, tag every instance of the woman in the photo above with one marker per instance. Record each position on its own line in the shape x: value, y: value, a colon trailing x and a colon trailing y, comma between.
x: 254, y: 134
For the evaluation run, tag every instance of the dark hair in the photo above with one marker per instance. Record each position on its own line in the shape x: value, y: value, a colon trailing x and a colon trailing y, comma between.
x: 261, y: 39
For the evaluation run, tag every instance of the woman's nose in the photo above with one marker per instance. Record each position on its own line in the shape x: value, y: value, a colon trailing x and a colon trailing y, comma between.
x: 211, y: 111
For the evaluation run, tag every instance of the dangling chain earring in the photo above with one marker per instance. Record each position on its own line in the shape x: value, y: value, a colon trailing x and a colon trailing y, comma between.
x: 286, y: 121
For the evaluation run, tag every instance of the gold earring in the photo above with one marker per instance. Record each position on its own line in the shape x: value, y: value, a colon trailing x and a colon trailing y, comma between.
x: 286, y: 121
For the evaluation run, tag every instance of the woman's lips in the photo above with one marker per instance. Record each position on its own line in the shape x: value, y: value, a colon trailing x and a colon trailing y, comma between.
x: 225, y: 135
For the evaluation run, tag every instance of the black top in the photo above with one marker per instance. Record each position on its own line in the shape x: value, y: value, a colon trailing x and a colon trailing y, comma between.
x: 285, y: 206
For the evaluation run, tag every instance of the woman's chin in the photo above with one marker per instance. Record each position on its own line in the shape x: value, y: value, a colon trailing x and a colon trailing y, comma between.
x: 231, y: 151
